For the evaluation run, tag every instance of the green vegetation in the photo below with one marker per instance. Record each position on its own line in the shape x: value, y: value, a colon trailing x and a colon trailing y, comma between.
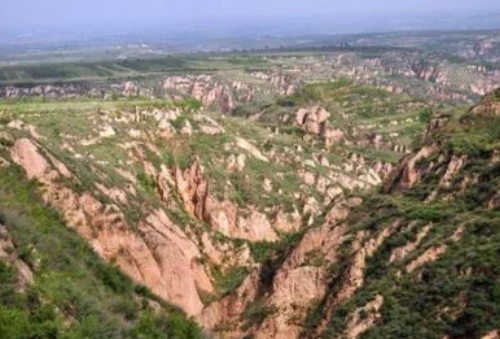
x: 256, y: 313
x: 468, y: 306
x: 475, y: 135
x: 496, y: 94
x: 91, y: 70
x: 74, y: 293
x: 101, y: 71
x: 313, y: 93
x: 264, y: 252
x: 460, y: 289
x: 84, y: 105
x: 229, y: 281
x: 250, y: 61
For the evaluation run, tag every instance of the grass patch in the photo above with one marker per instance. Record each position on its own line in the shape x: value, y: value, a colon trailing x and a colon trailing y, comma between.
x: 71, y: 281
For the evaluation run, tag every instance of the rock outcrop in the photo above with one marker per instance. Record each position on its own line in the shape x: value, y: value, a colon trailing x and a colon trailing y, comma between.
x: 357, y: 323
x: 406, y: 175
x: 159, y: 255
x: 314, y: 120
x: 9, y: 254
x: 489, y: 106
x: 224, y: 217
x: 296, y: 285
x: 209, y: 91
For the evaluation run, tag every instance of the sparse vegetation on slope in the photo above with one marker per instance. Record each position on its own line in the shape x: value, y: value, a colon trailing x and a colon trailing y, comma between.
x: 346, y: 194
x: 449, y: 272
x: 74, y: 294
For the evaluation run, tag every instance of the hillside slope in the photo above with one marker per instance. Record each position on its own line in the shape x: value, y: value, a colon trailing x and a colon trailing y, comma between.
x: 264, y: 224
x: 426, y: 259
x: 418, y: 260
x: 179, y: 197
x: 52, y: 285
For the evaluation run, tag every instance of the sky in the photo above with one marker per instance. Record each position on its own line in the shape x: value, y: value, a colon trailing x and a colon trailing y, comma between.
x: 49, y: 13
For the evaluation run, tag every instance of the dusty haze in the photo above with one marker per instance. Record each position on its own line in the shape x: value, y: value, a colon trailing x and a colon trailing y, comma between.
x: 59, y: 12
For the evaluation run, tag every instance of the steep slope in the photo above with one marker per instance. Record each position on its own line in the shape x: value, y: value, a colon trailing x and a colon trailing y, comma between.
x: 439, y: 260
x: 167, y: 192
x: 264, y: 225
x: 52, y: 285
x: 186, y: 201
x: 415, y: 261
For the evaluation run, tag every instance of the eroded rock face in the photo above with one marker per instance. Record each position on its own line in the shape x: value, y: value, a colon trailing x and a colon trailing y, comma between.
x: 492, y: 335
x: 224, y: 94
x: 293, y: 293
x: 168, y: 260
x: 177, y: 257
x: 250, y: 148
x: 8, y: 254
x: 430, y: 255
x: 407, y: 174
x: 314, y: 120
x: 227, y: 311
x: 171, y: 259
x: 159, y: 255
x: 365, y: 244
x: 364, y: 247
x: 357, y: 324
x: 436, y: 124
x: 255, y: 226
x: 427, y: 72
x: 283, y: 84
x: 287, y: 223
x: 210, y: 92
x: 489, y: 106
x: 25, y: 153
x: 298, y: 282
x: 454, y: 165
x: 236, y: 163
x: 192, y: 187
x: 224, y: 217
x: 226, y: 255
x: 399, y: 253
x: 127, y: 88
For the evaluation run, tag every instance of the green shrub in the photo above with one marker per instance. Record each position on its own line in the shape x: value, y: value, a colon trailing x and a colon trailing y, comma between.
x: 70, y: 281
x: 256, y: 312
x: 425, y: 115
x: 111, y: 276
x: 228, y: 282
x: 14, y: 324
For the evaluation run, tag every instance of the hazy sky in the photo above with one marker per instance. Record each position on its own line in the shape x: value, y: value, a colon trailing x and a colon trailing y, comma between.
x: 67, y: 12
